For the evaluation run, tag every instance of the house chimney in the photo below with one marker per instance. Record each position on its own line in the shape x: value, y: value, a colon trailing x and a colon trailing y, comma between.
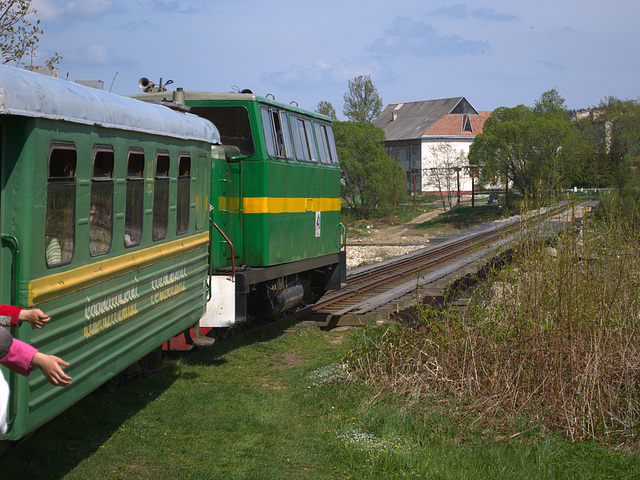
x: 394, y: 115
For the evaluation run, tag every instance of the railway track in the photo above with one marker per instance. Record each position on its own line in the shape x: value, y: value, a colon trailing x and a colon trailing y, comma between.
x: 374, y: 287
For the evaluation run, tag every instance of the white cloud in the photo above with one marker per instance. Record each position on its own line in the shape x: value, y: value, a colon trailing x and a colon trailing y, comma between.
x: 96, y: 53
x: 423, y: 40
x: 46, y: 9
x: 320, y: 72
x: 90, y: 8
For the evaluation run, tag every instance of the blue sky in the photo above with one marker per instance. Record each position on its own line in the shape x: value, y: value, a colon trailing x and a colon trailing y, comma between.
x: 495, y: 52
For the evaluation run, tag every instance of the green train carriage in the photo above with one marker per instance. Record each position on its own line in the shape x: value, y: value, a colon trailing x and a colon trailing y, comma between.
x: 104, y: 226
x: 278, y: 204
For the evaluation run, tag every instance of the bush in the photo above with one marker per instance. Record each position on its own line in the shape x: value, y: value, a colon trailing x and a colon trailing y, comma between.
x: 552, y: 338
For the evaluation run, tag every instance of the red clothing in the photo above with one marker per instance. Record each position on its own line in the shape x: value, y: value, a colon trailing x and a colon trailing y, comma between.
x: 9, y: 316
x: 20, y: 354
x: 19, y: 357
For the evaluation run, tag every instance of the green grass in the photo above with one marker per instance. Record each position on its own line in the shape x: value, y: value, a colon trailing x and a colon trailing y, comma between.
x: 258, y: 406
x: 464, y: 216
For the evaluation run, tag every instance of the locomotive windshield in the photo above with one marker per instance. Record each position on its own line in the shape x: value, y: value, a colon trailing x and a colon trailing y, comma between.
x: 233, y: 124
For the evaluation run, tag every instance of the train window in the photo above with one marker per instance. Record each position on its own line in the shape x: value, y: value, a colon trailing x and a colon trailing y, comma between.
x: 133, y: 213
x: 267, y: 129
x: 276, y: 133
x: 286, y: 135
x: 101, y: 209
x: 233, y: 125
x: 332, y: 145
x: 161, y: 196
x: 303, y: 140
x: 184, y: 180
x: 326, y: 144
x: 202, y: 198
x: 61, y: 205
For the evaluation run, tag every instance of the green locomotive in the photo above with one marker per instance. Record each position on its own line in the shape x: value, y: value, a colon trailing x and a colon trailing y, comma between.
x: 275, y: 192
x: 104, y: 225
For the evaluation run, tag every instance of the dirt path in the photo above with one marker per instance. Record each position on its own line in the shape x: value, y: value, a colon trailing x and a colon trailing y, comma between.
x: 403, y: 234
x: 390, y: 241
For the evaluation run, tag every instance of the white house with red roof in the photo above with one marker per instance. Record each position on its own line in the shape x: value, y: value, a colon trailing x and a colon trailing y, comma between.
x: 416, y: 133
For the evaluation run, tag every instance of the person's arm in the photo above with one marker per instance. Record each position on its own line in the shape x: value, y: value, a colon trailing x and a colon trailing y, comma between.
x: 35, y: 317
x: 22, y: 358
x: 9, y: 316
x: 18, y: 358
x: 51, y: 368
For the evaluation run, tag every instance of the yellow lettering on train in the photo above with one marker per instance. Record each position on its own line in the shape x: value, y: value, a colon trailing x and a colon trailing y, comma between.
x: 104, y: 324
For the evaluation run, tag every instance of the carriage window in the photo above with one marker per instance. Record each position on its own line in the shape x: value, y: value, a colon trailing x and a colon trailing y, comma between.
x: 184, y: 180
x: 202, y: 197
x: 61, y: 206
x: 135, y: 199
x: 233, y: 125
x: 303, y: 140
x: 161, y: 197
x: 101, y: 209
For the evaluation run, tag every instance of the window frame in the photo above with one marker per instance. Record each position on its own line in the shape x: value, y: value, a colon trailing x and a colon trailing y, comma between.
x: 69, y: 226
x: 97, y: 180
x: 131, y: 181
x: 165, y: 182
x: 181, y: 203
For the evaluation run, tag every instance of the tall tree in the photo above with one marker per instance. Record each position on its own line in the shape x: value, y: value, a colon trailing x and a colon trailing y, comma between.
x: 325, y: 108
x: 532, y: 149
x: 613, y: 130
x: 362, y: 102
x: 443, y: 174
x: 373, y: 182
x: 550, y: 102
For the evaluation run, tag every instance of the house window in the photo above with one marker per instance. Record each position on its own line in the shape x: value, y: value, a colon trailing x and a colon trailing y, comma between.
x: 466, y: 125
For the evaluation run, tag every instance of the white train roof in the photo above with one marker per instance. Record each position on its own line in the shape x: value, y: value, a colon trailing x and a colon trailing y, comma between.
x: 32, y: 94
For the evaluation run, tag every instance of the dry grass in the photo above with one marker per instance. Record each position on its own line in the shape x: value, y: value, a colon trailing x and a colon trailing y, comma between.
x: 552, y: 340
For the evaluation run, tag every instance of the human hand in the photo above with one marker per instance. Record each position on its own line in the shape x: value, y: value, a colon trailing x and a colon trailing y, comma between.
x: 51, y: 368
x: 35, y: 317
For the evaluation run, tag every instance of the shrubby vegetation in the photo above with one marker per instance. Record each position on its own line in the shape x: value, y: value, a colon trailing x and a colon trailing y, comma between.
x: 549, y: 344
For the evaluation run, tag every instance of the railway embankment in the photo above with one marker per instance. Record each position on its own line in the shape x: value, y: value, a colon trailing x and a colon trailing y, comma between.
x: 427, y: 273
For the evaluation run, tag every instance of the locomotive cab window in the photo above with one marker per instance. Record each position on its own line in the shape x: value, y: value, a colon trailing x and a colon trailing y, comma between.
x: 184, y: 181
x: 61, y: 205
x: 326, y: 144
x: 101, y: 209
x: 303, y: 140
x: 134, y: 199
x: 161, y: 197
x: 276, y: 133
x: 233, y: 125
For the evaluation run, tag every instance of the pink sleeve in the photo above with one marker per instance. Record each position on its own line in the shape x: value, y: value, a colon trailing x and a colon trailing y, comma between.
x: 19, y: 357
x: 12, y: 312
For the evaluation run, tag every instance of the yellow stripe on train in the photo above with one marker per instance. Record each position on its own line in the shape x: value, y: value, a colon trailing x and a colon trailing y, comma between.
x: 279, y: 205
x: 59, y: 284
